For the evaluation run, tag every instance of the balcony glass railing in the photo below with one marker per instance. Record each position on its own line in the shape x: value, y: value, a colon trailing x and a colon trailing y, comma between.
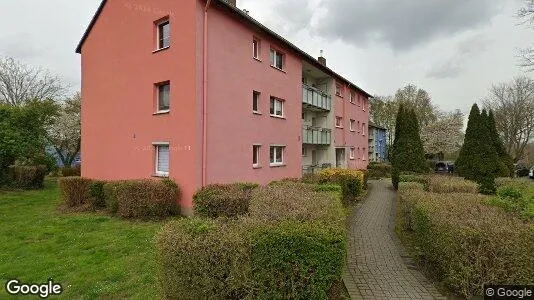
x: 316, y: 98
x: 316, y: 136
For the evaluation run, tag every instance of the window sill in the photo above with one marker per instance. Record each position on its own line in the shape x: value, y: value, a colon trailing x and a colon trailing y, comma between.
x: 160, y: 175
x: 339, y: 95
x: 352, y: 158
x: 277, y: 165
x: 281, y: 70
x: 161, y: 49
x: 339, y: 127
x: 352, y: 130
x: 278, y: 117
x: 256, y: 167
x: 257, y: 59
x: 257, y: 113
x: 162, y: 112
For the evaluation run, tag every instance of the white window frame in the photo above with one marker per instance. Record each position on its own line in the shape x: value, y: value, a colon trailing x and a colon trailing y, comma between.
x: 340, y: 119
x: 156, y: 146
x: 276, y: 101
x: 351, y: 99
x: 160, y: 24
x: 304, y: 151
x: 275, y: 54
x: 256, y: 48
x: 158, y: 99
x: 351, y: 152
x: 363, y: 154
x: 256, y: 149
x: 339, y: 90
x: 363, y: 129
x: 254, y: 94
x: 351, y: 124
x: 277, y: 148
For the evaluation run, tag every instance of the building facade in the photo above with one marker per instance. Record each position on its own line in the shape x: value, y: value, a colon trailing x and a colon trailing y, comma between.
x: 378, y: 151
x: 200, y: 92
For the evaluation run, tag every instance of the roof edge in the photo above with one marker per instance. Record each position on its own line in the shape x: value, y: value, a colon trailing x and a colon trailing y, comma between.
x: 90, y: 27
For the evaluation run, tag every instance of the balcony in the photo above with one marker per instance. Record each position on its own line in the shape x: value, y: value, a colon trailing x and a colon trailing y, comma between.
x: 316, y: 136
x: 316, y: 99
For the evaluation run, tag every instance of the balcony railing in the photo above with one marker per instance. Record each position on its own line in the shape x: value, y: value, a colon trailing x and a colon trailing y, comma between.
x: 316, y: 98
x: 316, y: 136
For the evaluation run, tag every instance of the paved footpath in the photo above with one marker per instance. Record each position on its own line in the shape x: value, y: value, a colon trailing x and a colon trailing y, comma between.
x: 378, y: 267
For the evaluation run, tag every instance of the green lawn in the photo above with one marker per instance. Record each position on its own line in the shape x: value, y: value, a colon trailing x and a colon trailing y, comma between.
x: 90, y: 255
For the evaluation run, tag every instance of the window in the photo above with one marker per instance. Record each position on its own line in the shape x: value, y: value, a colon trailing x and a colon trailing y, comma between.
x: 256, y: 48
x: 162, y: 159
x: 164, y: 34
x: 352, y: 125
x: 277, y: 107
x: 164, y: 91
x: 256, y: 156
x: 255, y: 101
x: 363, y: 104
x: 277, y: 59
x: 339, y: 89
x: 277, y: 155
x: 351, y: 99
x: 363, y: 153
x: 363, y: 128
x: 304, y: 151
x: 359, y: 126
x: 339, y: 122
x: 352, y: 150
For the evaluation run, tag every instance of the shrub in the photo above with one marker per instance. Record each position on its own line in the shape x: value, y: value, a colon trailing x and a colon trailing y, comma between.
x: 294, y: 201
x: 203, y: 258
x: 311, y: 178
x: 409, y: 177
x: 291, y: 246
x: 27, y: 177
x: 448, y: 184
x: 403, y: 186
x: 296, y: 260
x: 69, y: 171
x: 223, y: 200
x: 142, y: 199
x: 75, y: 191
x: 467, y: 243
x: 97, y: 197
x: 351, y: 181
x: 379, y: 170
x: 515, y: 197
x: 328, y: 188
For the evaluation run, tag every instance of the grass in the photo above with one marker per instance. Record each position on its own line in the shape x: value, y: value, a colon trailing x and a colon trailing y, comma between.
x: 90, y: 255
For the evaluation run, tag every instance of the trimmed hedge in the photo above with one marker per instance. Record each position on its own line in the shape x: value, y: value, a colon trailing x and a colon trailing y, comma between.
x: 379, y: 170
x: 408, y: 177
x: 296, y: 251
x: 351, y: 181
x: 75, y: 191
x: 143, y: 199
x: 27, y: 177
x: 223, y: 200
x: 449, y: 184
x: 467, y: 243
x: 71, y: 171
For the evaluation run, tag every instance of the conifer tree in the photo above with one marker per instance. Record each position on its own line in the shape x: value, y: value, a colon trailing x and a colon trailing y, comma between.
x: 478, y: 160
x: 506, y: 164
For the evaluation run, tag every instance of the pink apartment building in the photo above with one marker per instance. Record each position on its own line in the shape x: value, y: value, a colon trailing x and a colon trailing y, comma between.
x: 200, y: 92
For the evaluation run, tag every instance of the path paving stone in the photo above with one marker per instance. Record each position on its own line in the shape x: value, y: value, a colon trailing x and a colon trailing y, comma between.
x: 377, y: 266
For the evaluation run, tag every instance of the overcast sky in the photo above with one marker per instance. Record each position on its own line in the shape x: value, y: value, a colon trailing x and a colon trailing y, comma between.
x: 454, y: 49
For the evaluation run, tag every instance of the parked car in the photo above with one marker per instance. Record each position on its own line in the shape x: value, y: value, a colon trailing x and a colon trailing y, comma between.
x: 444, y: 167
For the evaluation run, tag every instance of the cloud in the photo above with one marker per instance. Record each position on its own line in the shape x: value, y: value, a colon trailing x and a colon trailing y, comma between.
x: 404, y: 24
x: 465, y: 51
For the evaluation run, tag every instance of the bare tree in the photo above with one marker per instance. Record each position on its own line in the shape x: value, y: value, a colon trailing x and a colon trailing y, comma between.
x: 20, y: 83
x: 526, y: 14
x: 383, y: 112
x: 513, y: 107
x: 65, y: 134
x: 419, y: 100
